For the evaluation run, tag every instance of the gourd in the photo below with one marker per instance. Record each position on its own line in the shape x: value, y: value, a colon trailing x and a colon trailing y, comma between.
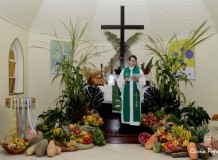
x: 30, y: 135
x: 31, y: 150
x: 180, y: 154
x: 156, y: 147
x: 41, y: 148
x: 58, y: 150
x: 39, y: 137
x: 149, y: 143
x: 202, y: 152
x: 192, y: 150
x: 51, y: 149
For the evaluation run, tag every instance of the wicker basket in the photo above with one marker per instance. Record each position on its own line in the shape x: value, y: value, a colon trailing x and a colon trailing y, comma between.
x: 143, y: 133
x: 14, y: 151
x: 178, y: 149
x: 10, y: 150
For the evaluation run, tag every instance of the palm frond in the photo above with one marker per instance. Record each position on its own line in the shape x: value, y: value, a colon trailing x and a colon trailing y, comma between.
x: 113, y: 39
x: 133, y: 39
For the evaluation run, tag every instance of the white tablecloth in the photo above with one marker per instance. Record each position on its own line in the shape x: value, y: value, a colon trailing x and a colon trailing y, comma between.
x: 107, y: 90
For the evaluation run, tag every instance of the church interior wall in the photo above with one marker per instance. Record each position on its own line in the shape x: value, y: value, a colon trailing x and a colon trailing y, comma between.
x: 8, y: 33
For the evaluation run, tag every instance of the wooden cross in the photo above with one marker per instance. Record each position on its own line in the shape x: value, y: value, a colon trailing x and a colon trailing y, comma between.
x: 122, y: 28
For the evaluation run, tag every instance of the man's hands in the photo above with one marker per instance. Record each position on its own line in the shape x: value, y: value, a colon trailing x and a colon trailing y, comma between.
x: 135, y: 78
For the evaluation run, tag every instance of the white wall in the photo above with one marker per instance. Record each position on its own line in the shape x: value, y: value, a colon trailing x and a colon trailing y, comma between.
x: 205, y: 88
x: 8, y: 33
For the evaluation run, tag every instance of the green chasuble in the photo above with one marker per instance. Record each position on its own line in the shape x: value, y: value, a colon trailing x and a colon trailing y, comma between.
x: 131, y: 108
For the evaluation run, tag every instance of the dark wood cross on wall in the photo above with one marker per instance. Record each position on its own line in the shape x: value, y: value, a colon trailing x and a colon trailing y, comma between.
x: 122, y: 28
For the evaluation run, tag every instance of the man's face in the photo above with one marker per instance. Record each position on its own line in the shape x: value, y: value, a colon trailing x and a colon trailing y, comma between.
x: 132, y: 62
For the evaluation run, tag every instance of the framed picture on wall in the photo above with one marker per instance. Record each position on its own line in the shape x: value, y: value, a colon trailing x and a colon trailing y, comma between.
x: 186, y: 61
x: 59, y: 49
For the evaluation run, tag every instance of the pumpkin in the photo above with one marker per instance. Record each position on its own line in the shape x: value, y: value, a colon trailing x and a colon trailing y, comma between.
x: 156, y: 147
x: 41, y: 147
x: 51, y: 150
x: 149, y: 143
x: 192, y: 150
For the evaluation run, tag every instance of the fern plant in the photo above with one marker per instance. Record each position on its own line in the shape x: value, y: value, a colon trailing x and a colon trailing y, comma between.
x: 115, y: 42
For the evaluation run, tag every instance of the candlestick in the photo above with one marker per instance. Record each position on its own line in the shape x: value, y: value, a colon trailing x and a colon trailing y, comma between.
x: 111, y: 65
x: 101, y: 70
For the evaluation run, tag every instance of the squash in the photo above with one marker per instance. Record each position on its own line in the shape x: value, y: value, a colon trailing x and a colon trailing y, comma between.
x: 156, y: 147
x: 30, y: 135
x: 151, y: 140
x: 192, y: 150
x: 41, y: 147
x: 39, y: 137
x: 202, y: 152
x: 58, y: 150
x: 51, y: 149
x: 31, y: 150
x: 180, y: 154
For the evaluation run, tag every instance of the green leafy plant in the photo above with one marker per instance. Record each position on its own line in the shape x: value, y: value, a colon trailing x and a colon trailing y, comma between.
x: 73, y: 100
x: 198, y: 132
x: 94, y: 96
x: 49, y: 119
x: 167, y: 77
x: 194, y: 115
x: 153, y: 101
x: 115, y: 42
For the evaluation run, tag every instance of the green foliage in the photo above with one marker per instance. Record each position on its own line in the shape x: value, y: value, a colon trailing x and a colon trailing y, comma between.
x: 198, y: 132
x: 115, y: 42
x: 72, y: 99
x: 94, y: 96
x: 167, y: 78
x: 153, y: 101
x: 194, y: 115
x: 49, y: 119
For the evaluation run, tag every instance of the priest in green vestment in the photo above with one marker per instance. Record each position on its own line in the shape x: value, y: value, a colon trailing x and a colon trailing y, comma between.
x: 131, y: 82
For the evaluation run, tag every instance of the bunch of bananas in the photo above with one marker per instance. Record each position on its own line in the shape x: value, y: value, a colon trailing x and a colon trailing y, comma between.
x: 177, y: 130
x: 174, y: 119
x: 99, y: 138
x: 186, y: 135
x: 159, y: 114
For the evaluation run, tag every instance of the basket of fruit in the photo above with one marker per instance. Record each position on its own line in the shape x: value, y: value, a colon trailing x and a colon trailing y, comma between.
x: 93, y: 119
x: 13, y: 144
x: 143, y: 137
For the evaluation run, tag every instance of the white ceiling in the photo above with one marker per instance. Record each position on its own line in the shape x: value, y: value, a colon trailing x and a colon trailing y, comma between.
x: 163, y: 17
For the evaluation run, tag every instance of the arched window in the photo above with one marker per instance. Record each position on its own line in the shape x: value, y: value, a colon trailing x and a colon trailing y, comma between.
x: 16, y: 68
